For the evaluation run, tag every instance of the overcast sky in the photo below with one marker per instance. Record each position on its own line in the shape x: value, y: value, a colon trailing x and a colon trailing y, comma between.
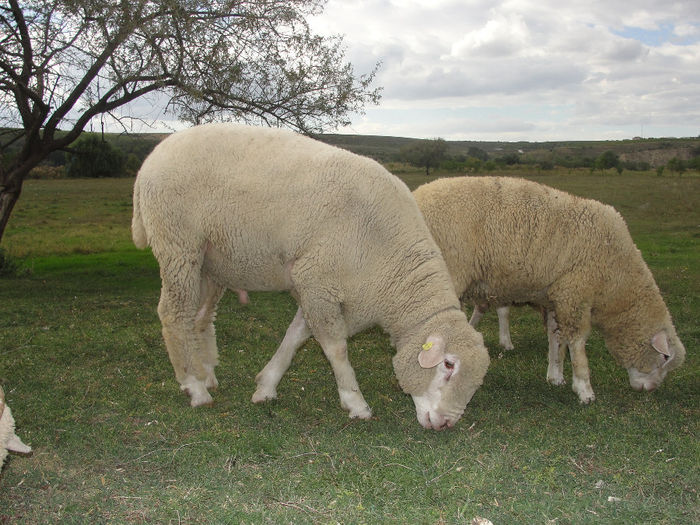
x: 510, y: 70
x: 525, y: 69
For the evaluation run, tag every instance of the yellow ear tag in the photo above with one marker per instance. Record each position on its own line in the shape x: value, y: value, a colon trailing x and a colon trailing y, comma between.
x: 427, y: 346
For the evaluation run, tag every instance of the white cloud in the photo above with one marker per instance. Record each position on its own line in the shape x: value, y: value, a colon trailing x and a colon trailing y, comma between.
x: 687, y: 30
x: 613, y: 64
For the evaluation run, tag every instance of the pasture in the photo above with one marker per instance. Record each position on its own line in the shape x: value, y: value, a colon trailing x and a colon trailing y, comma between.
x: 86, y: 374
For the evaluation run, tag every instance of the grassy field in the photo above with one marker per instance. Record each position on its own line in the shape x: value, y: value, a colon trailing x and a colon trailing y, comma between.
x: 85, y: 371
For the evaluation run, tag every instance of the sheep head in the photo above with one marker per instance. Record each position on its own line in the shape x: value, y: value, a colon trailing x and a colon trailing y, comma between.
x: 655, y: 357
x: 441, y: 367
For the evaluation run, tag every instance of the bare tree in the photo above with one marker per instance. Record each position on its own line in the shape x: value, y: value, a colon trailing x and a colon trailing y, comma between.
x: 64, y: 62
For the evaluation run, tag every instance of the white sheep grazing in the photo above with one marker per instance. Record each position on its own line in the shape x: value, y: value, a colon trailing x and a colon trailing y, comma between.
x: 227, y: 206
x: 9, y: 441
x: 508, y: 241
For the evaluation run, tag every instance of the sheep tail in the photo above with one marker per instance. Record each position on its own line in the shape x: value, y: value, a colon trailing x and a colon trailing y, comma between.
x: 138, y: 231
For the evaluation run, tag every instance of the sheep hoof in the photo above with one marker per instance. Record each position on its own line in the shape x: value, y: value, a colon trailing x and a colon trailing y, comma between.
x: 201, y: 400
x: 198, y: 393
x: 364, y: 413
x: 506, y: 343
x: 263, y: 394
x: 556, y: 381
x: 355, y: 404
x: 584, y: 391
x: 210, y: 380
x: 587, y: 399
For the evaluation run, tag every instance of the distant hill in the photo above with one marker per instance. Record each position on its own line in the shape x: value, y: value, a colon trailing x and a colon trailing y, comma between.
x: 653, y: 151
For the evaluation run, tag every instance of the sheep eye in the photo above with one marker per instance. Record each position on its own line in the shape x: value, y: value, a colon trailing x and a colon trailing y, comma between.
x: 449, y: 364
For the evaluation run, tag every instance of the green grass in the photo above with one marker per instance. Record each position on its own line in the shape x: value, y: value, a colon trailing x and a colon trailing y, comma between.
x: 85, y: 371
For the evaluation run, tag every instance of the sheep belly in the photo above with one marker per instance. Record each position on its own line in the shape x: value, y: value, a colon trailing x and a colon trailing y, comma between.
x: 239, y: 270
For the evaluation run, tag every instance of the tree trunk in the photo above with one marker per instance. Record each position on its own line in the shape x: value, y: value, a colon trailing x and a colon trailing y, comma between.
x: 9, y: 195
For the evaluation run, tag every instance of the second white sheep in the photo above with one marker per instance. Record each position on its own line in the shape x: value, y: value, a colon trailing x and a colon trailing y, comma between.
x: 510, y: 241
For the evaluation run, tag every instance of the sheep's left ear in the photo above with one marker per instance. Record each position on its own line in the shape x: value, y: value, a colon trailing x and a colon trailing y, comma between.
x: 660, y: 344
x: 432, y: 352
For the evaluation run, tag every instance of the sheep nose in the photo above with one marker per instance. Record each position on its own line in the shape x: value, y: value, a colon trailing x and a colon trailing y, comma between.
x: 645, y: 386
x: 439, y: 422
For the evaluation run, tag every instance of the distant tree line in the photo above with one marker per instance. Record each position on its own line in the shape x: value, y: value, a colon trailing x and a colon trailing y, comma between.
x: 434, y: 153
x: 112, y: 155
x: 96, y: 155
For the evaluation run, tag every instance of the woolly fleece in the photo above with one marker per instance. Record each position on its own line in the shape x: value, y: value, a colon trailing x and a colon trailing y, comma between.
x: 244, y: 208
x: 509, y: 241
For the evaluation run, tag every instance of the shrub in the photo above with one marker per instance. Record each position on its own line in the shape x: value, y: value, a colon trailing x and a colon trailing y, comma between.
x: 607, y: 160
x: 91, y: 156
x: 676, y: 165
x: 453, y: 165
x: 47, y: 172
x: 9, y: 267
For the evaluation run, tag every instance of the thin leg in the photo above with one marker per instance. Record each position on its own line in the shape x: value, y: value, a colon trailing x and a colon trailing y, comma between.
x: 477, y: 314
x: 555, y: 367
x: 351, y: 398
x: 320, y: 299
x: 504, y: 328
x: 270, y: 376
x: 210, y: 294
x: 581, y: 381
x: 178, y: 306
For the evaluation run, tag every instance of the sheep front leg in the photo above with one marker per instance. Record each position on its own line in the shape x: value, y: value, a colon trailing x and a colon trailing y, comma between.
x: 555, y: 360
x: 270, y: 376
x: 351, y: 399
x: 320, y: 301
x: 581, y: 380
x: 504, y: 328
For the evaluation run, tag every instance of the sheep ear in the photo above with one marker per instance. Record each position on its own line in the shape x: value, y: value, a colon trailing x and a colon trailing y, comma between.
x: 15, y: 445
x: 432, y: 352
x: 660, y: 344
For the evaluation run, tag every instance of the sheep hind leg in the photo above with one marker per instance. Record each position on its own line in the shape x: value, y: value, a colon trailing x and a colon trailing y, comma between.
x: 270, y: 376
x: 178, y: 306
x: 210, y: 294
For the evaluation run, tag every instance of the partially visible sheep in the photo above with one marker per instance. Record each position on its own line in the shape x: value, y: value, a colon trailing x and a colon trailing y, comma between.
x: 508, y: 241
x: 9, y: 441
x: 226, y: 206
